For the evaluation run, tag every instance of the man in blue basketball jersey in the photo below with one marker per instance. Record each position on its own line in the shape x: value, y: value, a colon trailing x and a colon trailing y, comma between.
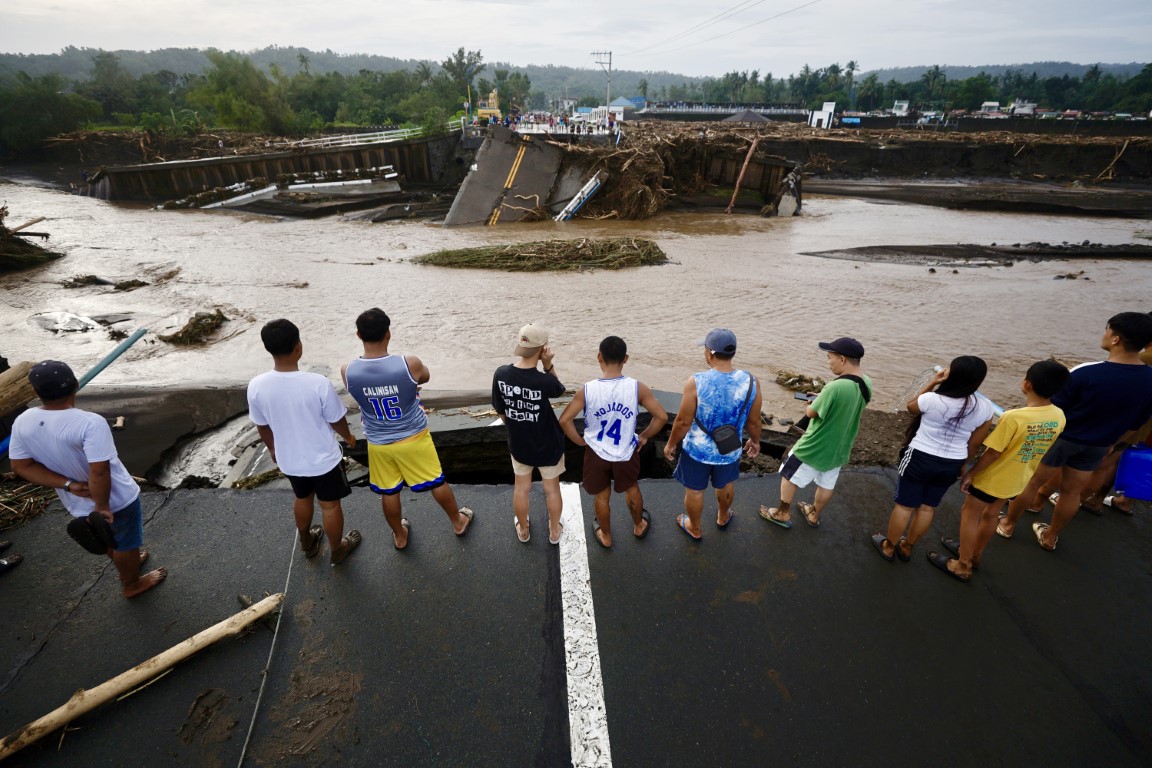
x: 400, y: 448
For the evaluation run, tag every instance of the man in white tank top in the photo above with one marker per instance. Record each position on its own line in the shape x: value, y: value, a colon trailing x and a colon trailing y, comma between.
x: 612, y: 447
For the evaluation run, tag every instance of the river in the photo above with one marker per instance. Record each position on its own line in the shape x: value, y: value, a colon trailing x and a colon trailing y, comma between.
x: 742, y: 272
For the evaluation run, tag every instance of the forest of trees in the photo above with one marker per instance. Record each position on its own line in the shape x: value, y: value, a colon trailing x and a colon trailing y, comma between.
x: 280, y: 91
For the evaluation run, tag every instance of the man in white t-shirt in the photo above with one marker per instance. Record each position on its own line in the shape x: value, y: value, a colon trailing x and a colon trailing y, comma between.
x: 298, y: 416
x: 63, y: 447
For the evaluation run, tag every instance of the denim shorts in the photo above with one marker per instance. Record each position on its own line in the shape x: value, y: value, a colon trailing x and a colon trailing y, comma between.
x: 694, y: 475
x: 128, y: 526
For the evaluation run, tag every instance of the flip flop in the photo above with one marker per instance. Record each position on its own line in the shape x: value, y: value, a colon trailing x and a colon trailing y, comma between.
x: 596, y: 533
x: 353, y: 540
x: 950, y: 544
x: 1110, y: 501
x: 682, y: 521
x: 878, y: 540
x: 766, y: 513
x: 406, y: 526
x: 527, y: 537
x: 468, y: 514
x: 1038, y: 529
x: 1000, y: 531
x: 731, y: 514
x: 10, y: 562
x: 900, y: 552
x: 313, y: 549
x: 5, y: 544
x: 645, y: 516
x: 941, y: 562
x: 805, y: 508
x: 555, y: 541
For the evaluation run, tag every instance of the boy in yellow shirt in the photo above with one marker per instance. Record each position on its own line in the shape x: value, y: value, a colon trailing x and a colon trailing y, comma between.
x: 1011, y: 454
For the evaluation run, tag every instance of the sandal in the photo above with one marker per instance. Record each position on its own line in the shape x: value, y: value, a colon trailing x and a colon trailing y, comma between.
x: 407, y: 527
x: 878, y: 540
x: 10, y: 562
x: 596, y: 534
x: 807, y: 509
x: 905, y: 557
x: 1038, y: 529
x: 648, y: 520
x: 770, y: 516
x: 1113, y: 502
x: 468, y: 515
x: 941, y: 562
x: 315, y: 534
x: 349, y: 544
x: 526, y: 536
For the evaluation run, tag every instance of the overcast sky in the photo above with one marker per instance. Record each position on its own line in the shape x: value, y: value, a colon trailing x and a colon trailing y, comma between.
x: 688, y: 37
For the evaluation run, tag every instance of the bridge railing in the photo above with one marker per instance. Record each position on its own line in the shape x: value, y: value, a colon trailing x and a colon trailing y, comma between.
x: 354, y: 139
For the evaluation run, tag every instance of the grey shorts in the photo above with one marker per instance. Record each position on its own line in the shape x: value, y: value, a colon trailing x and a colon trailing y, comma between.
x: 1085, y: 458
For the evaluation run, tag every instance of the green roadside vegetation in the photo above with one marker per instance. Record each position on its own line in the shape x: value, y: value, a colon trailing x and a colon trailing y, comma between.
x: 279, y: 92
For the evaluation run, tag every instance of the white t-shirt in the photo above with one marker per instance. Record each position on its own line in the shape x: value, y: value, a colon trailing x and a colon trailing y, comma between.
x: 66, y: 442
x: 300, y: 408
x: 938, y: 434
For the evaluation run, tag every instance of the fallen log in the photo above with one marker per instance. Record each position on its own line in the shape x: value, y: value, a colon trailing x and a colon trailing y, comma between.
x: 85, y: 701
x: 15, y: 390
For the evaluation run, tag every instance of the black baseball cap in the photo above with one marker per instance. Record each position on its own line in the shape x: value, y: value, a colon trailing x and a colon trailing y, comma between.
x: 845, y: 345
x: 52, y: 380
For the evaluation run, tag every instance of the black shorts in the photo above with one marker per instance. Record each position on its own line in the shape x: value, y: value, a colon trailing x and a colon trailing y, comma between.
x: 987, y: 498
x: 1083, y: 458
x: 599, y: 474
x: 330, y: 486
x: 924, y: 478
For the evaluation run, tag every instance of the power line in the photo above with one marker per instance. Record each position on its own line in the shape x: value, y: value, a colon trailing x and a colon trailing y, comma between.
x: 707, y: 23
x: 734, y: 31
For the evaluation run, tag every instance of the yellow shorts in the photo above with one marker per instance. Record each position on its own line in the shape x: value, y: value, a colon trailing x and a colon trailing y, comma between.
x: 412, y: 462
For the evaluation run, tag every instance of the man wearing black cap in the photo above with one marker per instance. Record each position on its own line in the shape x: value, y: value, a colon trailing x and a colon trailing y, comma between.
x: 63, y: 447
x: 827, y: 442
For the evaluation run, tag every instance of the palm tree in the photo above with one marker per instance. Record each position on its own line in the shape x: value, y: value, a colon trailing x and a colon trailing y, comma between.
x: 933, y: 80
x: 303, y: 61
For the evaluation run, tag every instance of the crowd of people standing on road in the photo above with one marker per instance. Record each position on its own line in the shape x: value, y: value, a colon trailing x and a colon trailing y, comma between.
x: 1065, y: 439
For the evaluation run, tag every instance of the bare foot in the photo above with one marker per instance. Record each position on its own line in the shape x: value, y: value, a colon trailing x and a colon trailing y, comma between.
x: 145, y: 582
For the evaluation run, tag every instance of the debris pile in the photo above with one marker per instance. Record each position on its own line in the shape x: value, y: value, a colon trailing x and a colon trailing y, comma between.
x: 21, y: 501
x: 798, y: 382
x: 197, y: 330
x: 16, y: 252
x: 552, y: 255
x: 655, y: 163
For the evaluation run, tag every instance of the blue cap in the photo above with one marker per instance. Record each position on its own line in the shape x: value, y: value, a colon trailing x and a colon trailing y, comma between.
x: 720, y: 340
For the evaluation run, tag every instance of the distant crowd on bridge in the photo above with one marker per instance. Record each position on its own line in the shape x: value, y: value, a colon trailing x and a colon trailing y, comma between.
x: 1063, y: 445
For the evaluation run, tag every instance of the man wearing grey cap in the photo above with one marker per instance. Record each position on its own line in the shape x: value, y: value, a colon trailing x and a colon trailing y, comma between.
x: 827, y: 442
x: 60, y: 446
x: 716, y: 406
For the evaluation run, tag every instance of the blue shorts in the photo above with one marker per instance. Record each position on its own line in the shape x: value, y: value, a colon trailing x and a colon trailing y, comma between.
x: 1085, y: 458
x: 924, y: 478
x: 694, y: 475
x: 128, y: 527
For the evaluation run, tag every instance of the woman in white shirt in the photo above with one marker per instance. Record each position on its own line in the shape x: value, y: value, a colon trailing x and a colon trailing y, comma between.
x: 953, y: 422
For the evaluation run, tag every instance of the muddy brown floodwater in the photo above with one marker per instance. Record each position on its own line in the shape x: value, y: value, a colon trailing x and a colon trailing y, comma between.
x: 742, y: 272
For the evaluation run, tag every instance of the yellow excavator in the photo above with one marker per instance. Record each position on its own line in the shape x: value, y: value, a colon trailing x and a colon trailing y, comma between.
x: 490, y: 109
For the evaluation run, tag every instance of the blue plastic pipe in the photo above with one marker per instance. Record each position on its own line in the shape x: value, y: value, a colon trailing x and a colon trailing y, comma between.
x: 100, y: 366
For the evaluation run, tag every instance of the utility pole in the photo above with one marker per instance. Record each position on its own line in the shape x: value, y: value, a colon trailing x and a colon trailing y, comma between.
x: 606, y: 65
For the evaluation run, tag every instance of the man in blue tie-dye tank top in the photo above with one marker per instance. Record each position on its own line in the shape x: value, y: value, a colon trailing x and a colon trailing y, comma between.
x: 719, y: 396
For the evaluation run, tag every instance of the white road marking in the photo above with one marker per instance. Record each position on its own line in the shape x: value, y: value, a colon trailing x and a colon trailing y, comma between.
x: 587, y: 715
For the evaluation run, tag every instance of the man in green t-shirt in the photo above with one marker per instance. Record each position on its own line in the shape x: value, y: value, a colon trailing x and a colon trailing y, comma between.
x: 827, y: 443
